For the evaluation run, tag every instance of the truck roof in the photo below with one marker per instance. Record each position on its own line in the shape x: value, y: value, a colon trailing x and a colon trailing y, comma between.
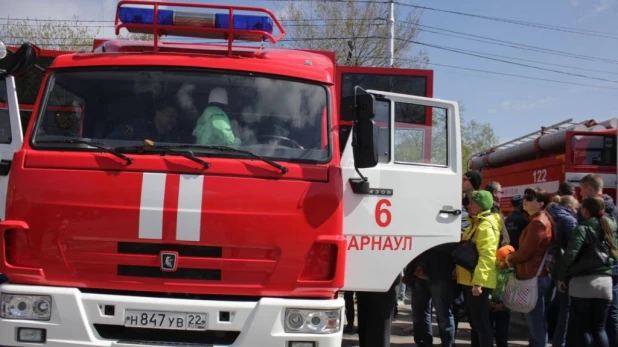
x: 283, y: 62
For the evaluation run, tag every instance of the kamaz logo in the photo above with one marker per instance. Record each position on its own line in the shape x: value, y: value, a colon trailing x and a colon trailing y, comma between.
x: 169, y: 261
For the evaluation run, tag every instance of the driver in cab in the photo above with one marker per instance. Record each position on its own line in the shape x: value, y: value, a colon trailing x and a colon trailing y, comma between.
x: 161, y: 128
x: 213, y: 127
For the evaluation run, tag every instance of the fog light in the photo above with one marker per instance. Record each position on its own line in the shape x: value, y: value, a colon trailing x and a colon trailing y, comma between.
x: 301, y: 344
x: 31, y: 335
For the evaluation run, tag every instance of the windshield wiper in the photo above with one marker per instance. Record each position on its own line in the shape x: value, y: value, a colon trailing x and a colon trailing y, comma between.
x: 162, y: 150
x: 282, y: 168
x: 98, y: 145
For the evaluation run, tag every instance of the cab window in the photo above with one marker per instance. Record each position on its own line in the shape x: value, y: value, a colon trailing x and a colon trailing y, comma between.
x: 593, y: 150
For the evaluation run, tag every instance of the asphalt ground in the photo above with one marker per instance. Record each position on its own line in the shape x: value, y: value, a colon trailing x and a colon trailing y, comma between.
x: 518, y: 333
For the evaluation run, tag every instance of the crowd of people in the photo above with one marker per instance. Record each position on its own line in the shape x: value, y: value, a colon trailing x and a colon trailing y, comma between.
x: 562, y: 247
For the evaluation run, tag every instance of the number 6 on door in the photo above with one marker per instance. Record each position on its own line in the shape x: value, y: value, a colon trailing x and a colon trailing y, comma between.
x: 382, y: 214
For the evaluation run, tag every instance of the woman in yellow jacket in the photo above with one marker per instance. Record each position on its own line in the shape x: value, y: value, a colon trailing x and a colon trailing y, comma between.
x: 484, y: 232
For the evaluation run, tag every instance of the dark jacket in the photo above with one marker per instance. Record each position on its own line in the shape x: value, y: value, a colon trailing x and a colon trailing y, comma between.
x: 578, y: 240
x: 515, y: 224
x: 437, y: 262
x: 140, y: 130
x: 611, y: 212
x: 610, y: 209
x: 505, y: 239
x: 565, y: 223
x: 533, y: 243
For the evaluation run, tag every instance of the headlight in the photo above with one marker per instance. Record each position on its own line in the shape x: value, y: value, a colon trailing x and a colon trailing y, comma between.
x: 312, y: 321
x: 33, y: 307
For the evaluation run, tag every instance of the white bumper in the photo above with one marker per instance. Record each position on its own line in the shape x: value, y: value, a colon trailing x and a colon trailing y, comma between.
x: 77, y: 318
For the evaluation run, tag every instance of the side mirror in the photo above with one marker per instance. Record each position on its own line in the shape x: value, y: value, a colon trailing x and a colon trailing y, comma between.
x: 17, y: 63
x: 3, y: 50
x: 364, y: 140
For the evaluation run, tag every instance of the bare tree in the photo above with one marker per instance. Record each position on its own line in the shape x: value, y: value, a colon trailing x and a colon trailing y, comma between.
x: 136, y: 37
x: 356, y: 31
x: 70, y: 35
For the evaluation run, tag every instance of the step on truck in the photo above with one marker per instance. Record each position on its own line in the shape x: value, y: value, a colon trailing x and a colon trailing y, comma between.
x: 194, y: 193
x: 563, y: 152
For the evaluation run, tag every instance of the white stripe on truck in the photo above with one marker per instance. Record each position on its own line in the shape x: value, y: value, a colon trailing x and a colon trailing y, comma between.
x: 151, y: 206
x: 188, y: 221
x: 510, y: 191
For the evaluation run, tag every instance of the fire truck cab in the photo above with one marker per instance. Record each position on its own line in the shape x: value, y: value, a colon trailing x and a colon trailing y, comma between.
x: 170, y: 193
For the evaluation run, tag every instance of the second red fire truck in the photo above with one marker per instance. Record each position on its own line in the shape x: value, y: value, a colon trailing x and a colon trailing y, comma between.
x: 566, y: 151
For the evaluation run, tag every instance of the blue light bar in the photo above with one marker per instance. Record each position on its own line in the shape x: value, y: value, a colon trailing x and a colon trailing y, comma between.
x: 245, y: 22
x: 177, y: 18
x: 145, y: 16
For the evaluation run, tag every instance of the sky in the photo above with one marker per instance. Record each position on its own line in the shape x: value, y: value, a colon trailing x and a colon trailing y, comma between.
x: 513, y: 106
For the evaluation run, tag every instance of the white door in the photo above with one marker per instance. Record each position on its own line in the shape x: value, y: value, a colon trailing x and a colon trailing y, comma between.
x: 415, y: 197
x: 11, y: 138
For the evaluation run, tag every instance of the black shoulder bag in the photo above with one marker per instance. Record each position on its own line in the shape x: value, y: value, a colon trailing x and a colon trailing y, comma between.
x: 466, y: 255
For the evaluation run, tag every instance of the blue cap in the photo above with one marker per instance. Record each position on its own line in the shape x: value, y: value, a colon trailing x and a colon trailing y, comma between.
x: 517, y: 200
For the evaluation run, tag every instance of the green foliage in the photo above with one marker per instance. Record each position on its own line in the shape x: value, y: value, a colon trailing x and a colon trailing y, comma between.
x: 475, y: 137
x: 409, y: 143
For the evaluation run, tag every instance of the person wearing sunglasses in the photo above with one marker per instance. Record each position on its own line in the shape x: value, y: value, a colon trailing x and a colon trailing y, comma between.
x: 529, y: 259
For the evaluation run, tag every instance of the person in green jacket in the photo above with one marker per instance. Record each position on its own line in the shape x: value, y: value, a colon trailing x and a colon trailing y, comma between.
x: 484, y: 231
x: 213, y: 127
x: 590, y: 287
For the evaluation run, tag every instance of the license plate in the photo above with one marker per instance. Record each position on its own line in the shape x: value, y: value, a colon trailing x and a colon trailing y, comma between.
x: 165, y: 320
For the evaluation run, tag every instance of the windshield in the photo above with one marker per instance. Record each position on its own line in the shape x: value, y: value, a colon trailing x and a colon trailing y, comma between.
x: 270, y: 117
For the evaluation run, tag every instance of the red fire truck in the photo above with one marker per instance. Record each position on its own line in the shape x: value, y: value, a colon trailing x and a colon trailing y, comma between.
x: 127, y: 219
x: 565, y: 151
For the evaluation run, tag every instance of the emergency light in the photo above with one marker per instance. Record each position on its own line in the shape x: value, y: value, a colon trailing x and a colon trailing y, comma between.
x: 206, y: 20
x: 228, y: 26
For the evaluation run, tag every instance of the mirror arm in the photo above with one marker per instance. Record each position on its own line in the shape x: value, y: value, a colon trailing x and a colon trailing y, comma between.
x: 356, y: 87
x: 359, y: 185
x: 39, y: 68
x: 360, y: 174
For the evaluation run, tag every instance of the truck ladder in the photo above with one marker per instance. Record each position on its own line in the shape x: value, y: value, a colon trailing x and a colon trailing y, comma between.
x: 565, y: 124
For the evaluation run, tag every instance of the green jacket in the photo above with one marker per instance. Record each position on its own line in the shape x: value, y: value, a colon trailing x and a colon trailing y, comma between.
x: 486, y: 239
x: 213, y: 128
x: 578, y: 240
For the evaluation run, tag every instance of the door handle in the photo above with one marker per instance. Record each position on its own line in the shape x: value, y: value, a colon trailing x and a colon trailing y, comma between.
x: 453, y: 212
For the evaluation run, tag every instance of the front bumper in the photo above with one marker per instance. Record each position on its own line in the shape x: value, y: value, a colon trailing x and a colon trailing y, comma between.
x: 82, y: 319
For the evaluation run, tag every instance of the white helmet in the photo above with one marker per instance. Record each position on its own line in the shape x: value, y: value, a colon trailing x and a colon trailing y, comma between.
x: 218, y: 95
